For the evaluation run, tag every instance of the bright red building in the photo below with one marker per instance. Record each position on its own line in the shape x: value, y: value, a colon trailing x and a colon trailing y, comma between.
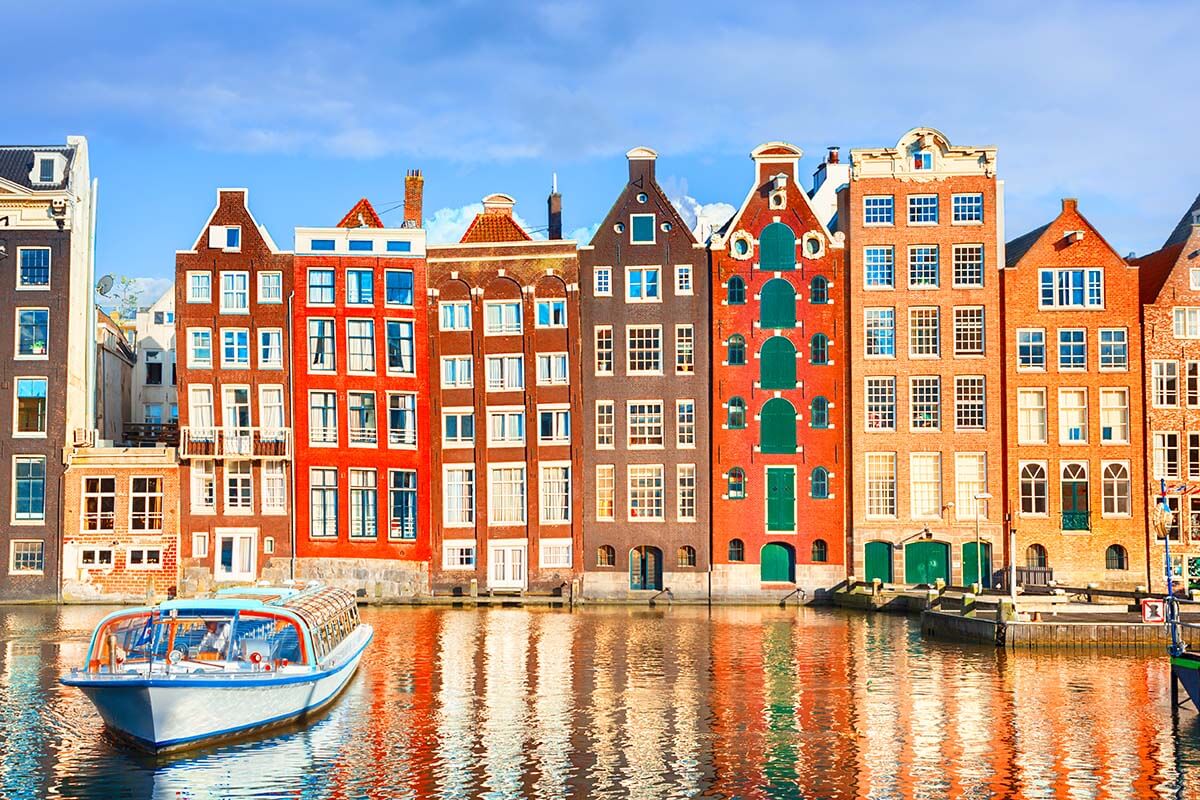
x: 778, y: 389
x: 361, y: 385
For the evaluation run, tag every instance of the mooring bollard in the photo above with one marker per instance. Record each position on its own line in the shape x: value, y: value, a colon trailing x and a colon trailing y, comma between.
x: 876, y: 586
x: 474, y: 587
x: 968, y: 604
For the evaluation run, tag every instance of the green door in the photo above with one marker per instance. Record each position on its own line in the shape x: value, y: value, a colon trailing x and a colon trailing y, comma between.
x: 776, y: 248
x: 925, y: 562
x: 777, y: 305
x: 781, y: 498
x: 879, y: 561
x: 778, y: 563
x: 777, y: 427
x: 645, y: 568
x: 777, y: 364
x: 970, y: 564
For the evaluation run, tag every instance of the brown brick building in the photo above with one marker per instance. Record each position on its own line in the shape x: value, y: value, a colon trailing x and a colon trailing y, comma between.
x: 923, y: 223
x: 1073, y: 364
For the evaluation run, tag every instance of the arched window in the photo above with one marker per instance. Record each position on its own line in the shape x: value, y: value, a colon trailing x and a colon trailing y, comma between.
x: 820, y: 483
x: 736, y: 484
x: 735, y: 291
x: 819, y: 349
x: 1033, y: 489
x: 818, y: 290
x: 737, y: 550
x: 778, y: 427
x: 777, y: 364
x: 776, y: 248
x: 820, y: 551
x: 606, y: 556
x: 1075, y: 508
x: 736, y: 350
x: 736, y: 417
x: 1115, y: 557
x: 686, y: 557
x: 777, y: 305
x: 1116, y: 489
x: 819, y: 412
x: 1035, y: 557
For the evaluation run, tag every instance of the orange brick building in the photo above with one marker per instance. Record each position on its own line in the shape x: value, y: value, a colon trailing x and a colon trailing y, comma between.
x: 1073, y: 364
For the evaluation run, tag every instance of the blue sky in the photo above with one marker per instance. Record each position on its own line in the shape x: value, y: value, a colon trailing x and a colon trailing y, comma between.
x: 312, y: 105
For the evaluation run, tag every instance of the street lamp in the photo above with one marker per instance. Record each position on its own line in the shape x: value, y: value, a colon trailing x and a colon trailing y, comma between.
x: 978, y: 555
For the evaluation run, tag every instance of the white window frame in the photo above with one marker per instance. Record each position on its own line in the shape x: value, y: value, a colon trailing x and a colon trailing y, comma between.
x: 494, y: 506
x: 193, y: 361
x: 263, y: 297
x: 469, y: 508
x: 685, y: 283
x: 543, y: 517
x: 507, y: 413
x: 454, y: 307
x: 597, y: 272
x: 192, y: 295
x: 234, y: 273
x: 505, y: 328
x: 458, y: 441
x: 643, y: 297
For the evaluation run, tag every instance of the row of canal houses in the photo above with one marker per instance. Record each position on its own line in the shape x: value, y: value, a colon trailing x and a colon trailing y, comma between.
x: 856, y: 377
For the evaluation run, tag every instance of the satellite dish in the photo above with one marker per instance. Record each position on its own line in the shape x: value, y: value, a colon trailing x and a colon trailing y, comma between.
x: 105, y: 285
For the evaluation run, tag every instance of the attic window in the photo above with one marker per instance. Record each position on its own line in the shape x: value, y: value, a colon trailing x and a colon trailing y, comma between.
x: 322, y: 244
x: 361, y: 245
x: 641, y: 228
x: 922, y: 159
x: 225, y: 237
x: 46, y: 170
x: 399, y: 247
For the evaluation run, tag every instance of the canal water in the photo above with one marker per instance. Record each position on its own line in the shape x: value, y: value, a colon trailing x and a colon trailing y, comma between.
x: 682, y: 702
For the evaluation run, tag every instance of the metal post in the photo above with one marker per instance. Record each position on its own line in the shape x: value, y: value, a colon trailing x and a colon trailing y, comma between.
x: 1012, y: 566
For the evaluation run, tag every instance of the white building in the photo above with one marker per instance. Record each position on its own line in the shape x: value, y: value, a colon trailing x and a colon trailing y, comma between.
x: 155, y: 398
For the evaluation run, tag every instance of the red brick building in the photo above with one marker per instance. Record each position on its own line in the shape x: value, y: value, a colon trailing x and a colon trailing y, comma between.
x: 505, y: 346
x: 362, y: 397
x: 1073, y: 365
x: 778, y: 389
x: 923, y: 223
x: 231, y: 314
x: 1170, y: 282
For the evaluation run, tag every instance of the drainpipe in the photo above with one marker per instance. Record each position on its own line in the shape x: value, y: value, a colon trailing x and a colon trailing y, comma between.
x: 291, y: 461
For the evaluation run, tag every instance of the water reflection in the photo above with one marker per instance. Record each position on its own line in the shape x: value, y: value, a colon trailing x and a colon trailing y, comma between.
x: 606, y: 703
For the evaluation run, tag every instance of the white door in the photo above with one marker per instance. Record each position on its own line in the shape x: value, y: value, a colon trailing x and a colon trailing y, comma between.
x: 506, y: 566
x: 236, y: 554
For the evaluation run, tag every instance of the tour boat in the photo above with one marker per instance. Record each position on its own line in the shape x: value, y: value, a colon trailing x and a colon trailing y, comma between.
x: 191, y: 672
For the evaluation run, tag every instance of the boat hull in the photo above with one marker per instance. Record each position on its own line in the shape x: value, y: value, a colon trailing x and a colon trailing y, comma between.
x: 168, y: 713
x: 1186, y: 669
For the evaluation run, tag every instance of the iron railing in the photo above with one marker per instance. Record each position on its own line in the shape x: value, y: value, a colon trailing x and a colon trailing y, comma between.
x: 235, y: 443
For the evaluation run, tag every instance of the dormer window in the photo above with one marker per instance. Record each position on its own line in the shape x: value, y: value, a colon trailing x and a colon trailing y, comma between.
x: 46, y: 170
x: 922, y: 159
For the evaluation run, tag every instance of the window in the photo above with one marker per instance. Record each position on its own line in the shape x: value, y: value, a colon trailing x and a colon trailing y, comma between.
x: 274, y: 494
x: 154, y: 367
x: 321, y: 349
x: 818, y: 352
x: 605, y: 492
x: 398, y: 289
x: 736, y: 417
x: 1115, y: 557
x: 199, y: 348
x: 551, y: 313
x: 642, y: 285
x: 200, y: 400
x: 967, y: 207
x: 364, y: 509
x: 643, y: 349
x: 505, y: 373
x: 878, y: 210
x: 685, y: 492
x: 270, y: 348
x: 641, y: 228
x: 458, y: 555
x: 1116, y: 490
x: 552, y: 369
x: 360, y: 410
x: 1071, y: 288
x: 925, y: 405
x: 604, y: 349
x: 506, y: 495
x: 46, y: 170
x: 98, y: 557
x: 1194, y: 279
x: 502, y: 317
x: 30, y: 407
x: 362, y: 245
x: 819, y: 413
x: 1072, y: 416
x: 1165, y: 454
x: 360, y: 337
x: 1035, y: 557
x: 683, y: 279
x: 924, y: 337
x: 735, y: 291
x: 322, y: 418
x: 199, y: 287
x: 29, y: 490
x: 402, y: 419
x: 1034, y: 489
x: 881, y: 404
x: 685, y: 350
x: 645, y: 493
x: 1031, y: 349
x: 1165, y: 383
x: 1072, y: 349
x: 556, y: 501
x: 644, y: 419
x: 820, y: 551
x: 457, y: 372
x: 1114, y: 416
x: 99, y: 505
x: 555, y: 553
x: 922, y: 209
x: 1187, y: 323
x: 685, y: 423
x: 320, y: 287
x: 969, y: 404
x: 922, y: 159
x: 818, y: 290
x: 458, y: 499
x: 923, y: 267
x: 554, y: 426
x: 1114, y: 349
x: 27, y: 556
x: 1031, y: 416
x: 737, y: 550
x: 323, y: 502
x: 321, y: 245
x: 880, y: 265
x: 605, y: 423
x: 146, y: 505
x: 33, y: 332
x: 970, y: 479
x: 458, y: 428
x: 239, y: 487
x: 735, y: 484
x: 400, y: 354
x: 506, y: 427
x: 602, y: 281
x: 606, y: 556
x: 235, y: 292
x: 34, y: 270
x: 819, y: 482
x: 968, y: 331
x: 204, y: 486
x: 1193, y: 444
x: 881, y: 332
x: 270, y: 287
x: 235, y: 348
x: 735, y: 354
x: 360, y: 287
x: 685, y: 557
x: 925, y: 485
x: 455, y: 316
x: 881, y: 485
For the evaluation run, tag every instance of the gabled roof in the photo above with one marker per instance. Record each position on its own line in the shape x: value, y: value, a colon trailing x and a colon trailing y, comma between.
x: 1184, y: 229
x: 1154, y: 269
x: 361, y: 216
x: 16, y: 164
x: 495, y: 223
x: 1015, y: 250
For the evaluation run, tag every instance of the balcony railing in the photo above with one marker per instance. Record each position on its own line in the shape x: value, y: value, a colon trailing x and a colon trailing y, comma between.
x: 260, y: 443
x: 363, y: 435
x: 402, y: 436
x: 1076, y: 520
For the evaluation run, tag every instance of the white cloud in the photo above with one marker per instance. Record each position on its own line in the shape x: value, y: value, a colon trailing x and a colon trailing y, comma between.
x: 149, y: 291
x: 701, y: 218
x: 447, y: 225
x: 584, y: 235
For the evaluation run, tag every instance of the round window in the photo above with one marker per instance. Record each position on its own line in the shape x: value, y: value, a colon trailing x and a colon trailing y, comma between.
x: 813, y: 245
x: 619, y: 227
x: 642, y: 197
x: 741, y: 247
x: 666, y: 227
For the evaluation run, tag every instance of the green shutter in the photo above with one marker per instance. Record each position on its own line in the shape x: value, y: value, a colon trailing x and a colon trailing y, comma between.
x: 777, y: 248
x: 778, y: 563
x: 777, y: 364
x: 777, y: 305
x: 969, y: 564
x: 781, y: 498
x: 879, y: 561
x: 925, y: 562
x: 778, y: 427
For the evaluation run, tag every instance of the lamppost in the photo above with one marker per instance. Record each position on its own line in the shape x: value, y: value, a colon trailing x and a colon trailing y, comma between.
x: 978, y: 555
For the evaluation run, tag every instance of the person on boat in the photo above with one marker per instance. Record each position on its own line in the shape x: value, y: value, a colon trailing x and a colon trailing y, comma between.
x: 216, y: 637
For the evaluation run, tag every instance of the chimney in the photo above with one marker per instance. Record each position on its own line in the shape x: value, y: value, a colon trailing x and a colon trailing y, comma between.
x: 554, y: 209
x: 1195, y: 217
x: 1070, y: 204
x: 641, y: 164
x: 414, y: 190
x: 833, y: 157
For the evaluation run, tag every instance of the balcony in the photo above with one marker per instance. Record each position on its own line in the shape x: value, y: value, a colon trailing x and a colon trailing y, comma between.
x: 1076, y: 520
x: 271, y: 444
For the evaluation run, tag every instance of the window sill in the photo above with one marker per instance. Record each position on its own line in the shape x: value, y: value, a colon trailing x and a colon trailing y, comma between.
x: 17, y: 573
x: 43, y: 357
x: 26, y: 435
x: 29, y: 523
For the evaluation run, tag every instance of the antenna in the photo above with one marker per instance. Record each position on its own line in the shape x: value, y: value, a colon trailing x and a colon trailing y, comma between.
x: 105, y: 285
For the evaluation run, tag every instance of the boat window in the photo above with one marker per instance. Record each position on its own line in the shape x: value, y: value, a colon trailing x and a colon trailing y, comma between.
x: 133, y: 636
x: 273, y: 638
